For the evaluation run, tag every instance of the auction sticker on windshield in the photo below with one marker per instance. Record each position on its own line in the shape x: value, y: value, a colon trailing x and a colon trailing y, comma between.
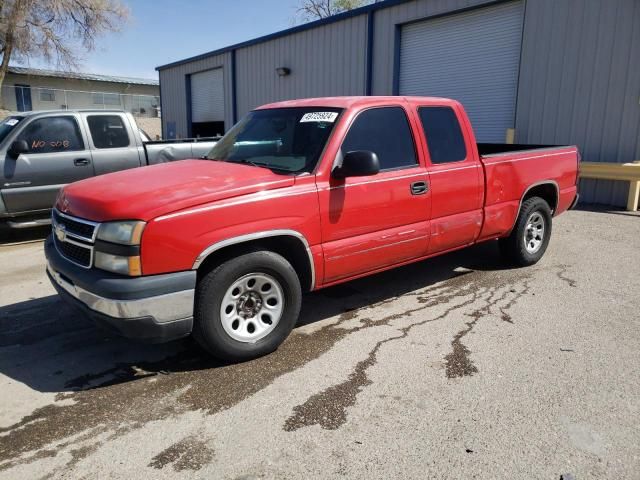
x: 319, y: 117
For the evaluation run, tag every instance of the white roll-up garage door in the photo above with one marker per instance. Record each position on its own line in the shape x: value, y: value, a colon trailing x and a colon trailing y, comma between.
x: 472, y: 57
x: 207, y: 96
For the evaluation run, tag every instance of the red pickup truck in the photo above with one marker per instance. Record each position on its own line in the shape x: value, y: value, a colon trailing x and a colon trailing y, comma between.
x: 298, y: 196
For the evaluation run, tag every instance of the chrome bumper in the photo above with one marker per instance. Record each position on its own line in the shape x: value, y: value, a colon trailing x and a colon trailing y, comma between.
x: 162, y: 308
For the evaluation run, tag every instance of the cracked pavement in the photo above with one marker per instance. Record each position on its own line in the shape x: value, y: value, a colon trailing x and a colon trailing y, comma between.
x: 455, y: 367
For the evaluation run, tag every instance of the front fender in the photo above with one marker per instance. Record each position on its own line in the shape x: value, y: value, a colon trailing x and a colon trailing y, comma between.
x: 174, y: 242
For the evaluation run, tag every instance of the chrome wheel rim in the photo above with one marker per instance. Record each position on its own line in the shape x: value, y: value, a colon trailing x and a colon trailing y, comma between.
x: 534, y: 232
x: 252, y: 307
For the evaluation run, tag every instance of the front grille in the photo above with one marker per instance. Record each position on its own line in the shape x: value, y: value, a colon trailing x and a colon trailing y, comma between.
x: 74, y: 252
x: 74, y: 237
x: 75, y: 227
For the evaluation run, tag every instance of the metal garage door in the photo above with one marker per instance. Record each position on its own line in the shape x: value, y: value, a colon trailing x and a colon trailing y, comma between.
x: 472, y: 57
x: 207, y: 96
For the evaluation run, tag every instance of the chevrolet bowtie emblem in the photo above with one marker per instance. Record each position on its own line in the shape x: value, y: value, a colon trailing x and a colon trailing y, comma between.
x: 61, y: 232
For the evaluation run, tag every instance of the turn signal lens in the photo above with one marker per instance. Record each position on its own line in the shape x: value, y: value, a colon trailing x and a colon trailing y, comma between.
x: 135, y: 268
x: 130, y: 266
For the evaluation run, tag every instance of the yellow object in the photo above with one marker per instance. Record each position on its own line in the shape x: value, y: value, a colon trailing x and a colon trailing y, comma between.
x: 135, y: 268
x: 626, y: 172
x: 511, y: 136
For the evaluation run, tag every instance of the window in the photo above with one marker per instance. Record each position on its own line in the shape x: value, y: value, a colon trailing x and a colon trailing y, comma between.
x: 108, y: 131
x: 386, y: 132
x: 100, y: 98
x: 47, y: 95
x: 7, y: 125
x: 53, y: 134
x: 288, y: 140
x: 444, y: 136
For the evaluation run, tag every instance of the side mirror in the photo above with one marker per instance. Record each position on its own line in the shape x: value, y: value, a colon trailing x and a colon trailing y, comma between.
x: 359, y: 163
x: 18, y: 147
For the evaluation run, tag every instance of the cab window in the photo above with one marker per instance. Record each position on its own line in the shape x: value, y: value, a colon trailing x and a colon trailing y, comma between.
x: 386, y: 132
x: 53, y: 134
x: 108, y: 131
x: 444, y: 136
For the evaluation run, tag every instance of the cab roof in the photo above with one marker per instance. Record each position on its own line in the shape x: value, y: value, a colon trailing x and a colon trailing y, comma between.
x: 357, y: 101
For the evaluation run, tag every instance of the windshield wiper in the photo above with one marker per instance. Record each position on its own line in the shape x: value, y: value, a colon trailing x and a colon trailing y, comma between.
x: 259, y: 165
x: 248, y: 162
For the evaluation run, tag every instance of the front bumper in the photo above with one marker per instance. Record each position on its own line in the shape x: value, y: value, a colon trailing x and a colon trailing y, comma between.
x: 156, y: 308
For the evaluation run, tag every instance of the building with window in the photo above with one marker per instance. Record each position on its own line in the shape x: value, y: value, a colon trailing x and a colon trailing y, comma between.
x: 535, y: 71
x: 26, y: 89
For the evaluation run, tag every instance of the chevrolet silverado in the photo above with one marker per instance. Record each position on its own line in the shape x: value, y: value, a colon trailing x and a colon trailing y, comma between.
x: 298, y: 196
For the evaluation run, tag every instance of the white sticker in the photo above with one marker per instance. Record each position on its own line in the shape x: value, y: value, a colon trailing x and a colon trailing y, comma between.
x: 319, y: 117
x: 11, y: 122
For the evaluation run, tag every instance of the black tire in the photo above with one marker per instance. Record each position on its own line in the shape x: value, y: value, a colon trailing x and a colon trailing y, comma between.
x: 513, y: 247
x: 208, y: 329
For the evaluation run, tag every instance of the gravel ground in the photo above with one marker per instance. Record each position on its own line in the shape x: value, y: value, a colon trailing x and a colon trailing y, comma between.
x: 450, y: 368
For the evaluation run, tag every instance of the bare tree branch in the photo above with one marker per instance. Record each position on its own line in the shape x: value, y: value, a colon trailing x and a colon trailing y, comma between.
x: 55, y: 30
x: 316, y: 9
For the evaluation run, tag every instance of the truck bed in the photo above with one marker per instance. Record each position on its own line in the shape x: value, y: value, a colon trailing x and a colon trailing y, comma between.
x: 512, y: 169
x: 486, y: 149
x: 161, y: 151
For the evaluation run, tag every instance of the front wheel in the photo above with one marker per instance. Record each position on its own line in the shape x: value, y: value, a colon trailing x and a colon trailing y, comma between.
x: 247, y: 306
x: 530, y: 237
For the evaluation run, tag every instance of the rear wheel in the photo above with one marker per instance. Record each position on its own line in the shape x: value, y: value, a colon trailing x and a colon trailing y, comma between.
x: 247, y: 306
x: 530, y: 237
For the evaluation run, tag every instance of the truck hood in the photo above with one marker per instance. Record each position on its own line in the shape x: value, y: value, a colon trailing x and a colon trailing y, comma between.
x: 148, y: 192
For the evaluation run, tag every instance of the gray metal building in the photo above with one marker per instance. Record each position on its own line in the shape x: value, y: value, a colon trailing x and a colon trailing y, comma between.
x: 556, y: 71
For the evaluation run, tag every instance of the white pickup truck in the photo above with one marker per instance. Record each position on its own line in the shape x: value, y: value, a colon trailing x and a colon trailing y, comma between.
x: 40, y: 152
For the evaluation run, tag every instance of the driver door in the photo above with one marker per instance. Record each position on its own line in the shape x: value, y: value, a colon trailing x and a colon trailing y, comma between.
x: 57, y: 155
x: 369, y: 223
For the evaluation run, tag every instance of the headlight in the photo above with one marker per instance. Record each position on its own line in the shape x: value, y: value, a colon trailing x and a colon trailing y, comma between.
x: 121, y: 252
x: 118, y: 264
x: 123, y: 233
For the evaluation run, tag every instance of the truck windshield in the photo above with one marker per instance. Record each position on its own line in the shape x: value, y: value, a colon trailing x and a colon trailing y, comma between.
x: 287, y: 140
x: 7, y: 125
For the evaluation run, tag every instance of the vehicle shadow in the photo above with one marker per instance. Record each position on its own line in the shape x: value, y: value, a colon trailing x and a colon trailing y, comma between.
x: 51, y: 347
x: 599, y: 208
x: 10, y: 236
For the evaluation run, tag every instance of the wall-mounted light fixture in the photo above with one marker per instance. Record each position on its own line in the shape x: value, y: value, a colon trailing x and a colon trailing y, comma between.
x: 283, y: 71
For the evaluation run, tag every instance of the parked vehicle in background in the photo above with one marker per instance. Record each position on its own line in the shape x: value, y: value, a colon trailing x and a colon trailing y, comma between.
x: 40, y: 152
x: 298, y: 196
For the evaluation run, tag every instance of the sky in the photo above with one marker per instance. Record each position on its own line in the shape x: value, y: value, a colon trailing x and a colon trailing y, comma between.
x: 163, y: 31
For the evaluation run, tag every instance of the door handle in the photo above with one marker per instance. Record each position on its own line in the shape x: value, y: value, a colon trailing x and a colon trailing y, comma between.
x: 419, y: 188
x: 79, y: 162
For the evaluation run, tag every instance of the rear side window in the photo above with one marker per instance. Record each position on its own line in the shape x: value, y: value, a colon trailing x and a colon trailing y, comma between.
x: 108, y: 131
x: 386, y: 132
x: 52, y: 135
x: 444, y: 136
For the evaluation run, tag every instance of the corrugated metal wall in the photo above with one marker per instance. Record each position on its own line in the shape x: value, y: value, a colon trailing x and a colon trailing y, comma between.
x: 580, y: 83
x: 207, y: 96
x: 174, y: 93
x: 385, y: 22
x: 472, y: 57
x: 324, y: 61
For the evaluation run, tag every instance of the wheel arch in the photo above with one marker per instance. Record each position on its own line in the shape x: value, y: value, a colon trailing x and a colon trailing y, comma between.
x: 291, y: 244
x: 548, y: 190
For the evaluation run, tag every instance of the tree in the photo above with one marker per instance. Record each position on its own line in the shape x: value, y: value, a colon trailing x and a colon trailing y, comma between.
x: 316, y: 9
x: 55, y: 29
